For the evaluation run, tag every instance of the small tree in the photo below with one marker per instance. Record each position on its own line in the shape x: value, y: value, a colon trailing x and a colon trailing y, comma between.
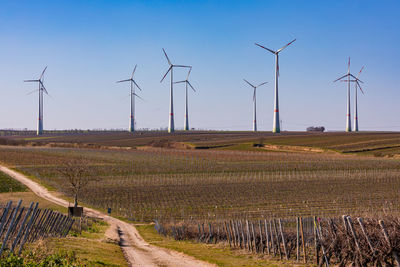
x: 77, y: 176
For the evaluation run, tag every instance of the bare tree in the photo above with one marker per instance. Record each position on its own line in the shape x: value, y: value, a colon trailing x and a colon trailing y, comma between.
x: 77, y: 176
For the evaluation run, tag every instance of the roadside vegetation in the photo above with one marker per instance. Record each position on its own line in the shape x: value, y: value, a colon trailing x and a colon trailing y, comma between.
x: 219, y: 254
x: 86, y: 244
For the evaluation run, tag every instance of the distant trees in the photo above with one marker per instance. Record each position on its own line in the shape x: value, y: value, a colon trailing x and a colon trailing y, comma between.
x: 316, y: 129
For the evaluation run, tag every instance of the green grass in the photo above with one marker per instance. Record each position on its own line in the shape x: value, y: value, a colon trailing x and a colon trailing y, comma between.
x: 90, y: 247
x: 220, y: 255
x: 8, y: 184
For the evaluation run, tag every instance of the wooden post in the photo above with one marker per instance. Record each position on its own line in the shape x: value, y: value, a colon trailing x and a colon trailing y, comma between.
x: 302, y: 240
x: 385, y: 234
x: 350, y: 223
x: 234, y: 233
x: 243, y: 237
x: 319, y: 236
x: 254, y: 237
x: 211, y: 235
x: 4, y: 216
x: 297, y: 239
x: 360, y: 222
x: 266, y: 236
x: 28, y: 228
x: 239, y: 238
x: 316, y: 242
x: 283, y: 240
x: 199, y: 229
x: 10, y: 227
x: 248, y: 235
x: 19, y: 235
x: 272, y: 239
x: 228, y: 234
x: 69, y: 228
x: 261, y: 244
x: 277, y: 239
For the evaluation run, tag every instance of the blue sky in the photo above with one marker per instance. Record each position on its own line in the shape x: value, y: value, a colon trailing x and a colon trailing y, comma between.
x: 88, y: 45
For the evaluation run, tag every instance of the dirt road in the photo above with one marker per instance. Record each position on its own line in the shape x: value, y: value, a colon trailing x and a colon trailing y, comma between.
x: 137, y: 251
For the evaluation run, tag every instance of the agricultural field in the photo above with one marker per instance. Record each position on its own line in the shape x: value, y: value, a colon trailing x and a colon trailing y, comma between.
x: 159, y: 178
x: 366, y: 143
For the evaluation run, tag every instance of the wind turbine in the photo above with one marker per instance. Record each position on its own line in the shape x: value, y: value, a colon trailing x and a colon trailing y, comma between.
x: 171, y: 126
x: 357, y: 86
x: 41, y: 90
x: 132, y: 95
x: 349, y: 76
x: 255, y: 103
x: 186, y: 124
x: 276, y: 124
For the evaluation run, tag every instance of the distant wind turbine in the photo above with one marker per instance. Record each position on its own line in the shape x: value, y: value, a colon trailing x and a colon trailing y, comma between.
x: 276, y: 125
x: 349, y: 76
x: 132, y: 95
x: 357, y: 86
x: 255, y: 103
x: 186, y: 126
x: 41, y: 90
x: 171, y: 126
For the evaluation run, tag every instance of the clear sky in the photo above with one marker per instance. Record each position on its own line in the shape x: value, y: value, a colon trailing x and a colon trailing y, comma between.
x: 88, y: 45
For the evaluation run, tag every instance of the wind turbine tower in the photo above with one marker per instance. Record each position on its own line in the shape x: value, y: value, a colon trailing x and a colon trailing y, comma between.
x: 276, y: 125
x: 357, y: 86
x: 171, y: 125
x: 132, y: 94
x: 41, y: 90
x: 349, y: 76
x: 356, y: 101
x: 255, y: 103
x: 186, y: 123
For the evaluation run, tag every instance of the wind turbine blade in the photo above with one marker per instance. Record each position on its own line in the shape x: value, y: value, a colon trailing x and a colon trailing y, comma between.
x: 138, y: 96
x: 248, y: 83
x: 359, y: 86
x: 191, y: 86
x: 44, y: 88
x: 137, y: 85
x: 165, y: 53
x: 272, y: 51
x: 360, y: 71
x: 261, y: 84
x: 133, y: 72
x: 41, y: 76
x: 348, y: 66
x: 127, y: 80
x: 29, y: 81
x: 190, y: 70
x: 166, y: 73
x: 341, y: 77
x: 180, y: 82
x: 32, y: 92
x: 182, y: 66
x: 254, y: 94
x: 356, y: 78
x: 279, y: 50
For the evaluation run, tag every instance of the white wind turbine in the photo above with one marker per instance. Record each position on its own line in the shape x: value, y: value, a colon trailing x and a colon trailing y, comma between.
x: 186, y: 124
x: 41, y: 90
x: 171, y: 125
x: 276, y: 124
x: 349, y: 76
x: 132, y: 96
x: 255, y: 103
x: 357, y: 86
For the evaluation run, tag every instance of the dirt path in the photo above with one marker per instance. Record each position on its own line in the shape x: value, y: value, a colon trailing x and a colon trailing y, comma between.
x: 137, y: 251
